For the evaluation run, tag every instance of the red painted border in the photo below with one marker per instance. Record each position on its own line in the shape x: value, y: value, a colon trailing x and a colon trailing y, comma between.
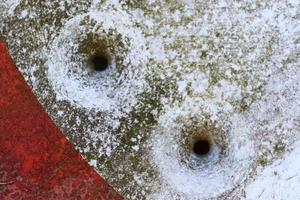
x: 36, y: 160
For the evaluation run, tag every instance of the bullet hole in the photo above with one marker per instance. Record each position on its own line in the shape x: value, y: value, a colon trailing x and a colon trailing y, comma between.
x: 99, y: 62
x: 201, y: 147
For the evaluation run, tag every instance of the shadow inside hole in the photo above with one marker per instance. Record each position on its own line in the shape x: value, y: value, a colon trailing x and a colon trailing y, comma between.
x: 201, y: 147
x: 99, y: 62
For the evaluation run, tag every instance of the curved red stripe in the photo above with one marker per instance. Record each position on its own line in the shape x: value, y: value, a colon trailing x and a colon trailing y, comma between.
x: 36, y: 160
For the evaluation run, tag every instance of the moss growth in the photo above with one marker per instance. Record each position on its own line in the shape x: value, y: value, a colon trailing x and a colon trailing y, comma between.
x: 279, y: 147
x: 263, y: 162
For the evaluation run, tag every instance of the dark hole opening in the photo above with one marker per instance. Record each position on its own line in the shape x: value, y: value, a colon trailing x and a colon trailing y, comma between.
x: 99, y: 62
x: 201, y: 147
